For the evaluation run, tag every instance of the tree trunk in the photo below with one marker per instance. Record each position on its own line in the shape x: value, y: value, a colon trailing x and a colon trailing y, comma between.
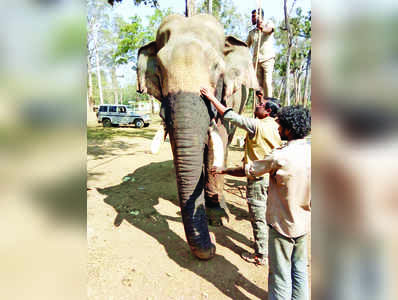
x: 88, y: 105
x: 297, y: 87
x: 299, y: 100
x: 210, y: 7
x: 306, y: 81
x: 290, y: 42
x: 189, y: 8
x: 295, y: 81
x: 115, y: 85
x: 90, y: 85
x: 152, y: 105
x: 281, y: 88
x: 98, y: 69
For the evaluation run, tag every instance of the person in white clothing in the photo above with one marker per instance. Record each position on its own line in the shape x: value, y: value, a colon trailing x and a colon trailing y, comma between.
x: 261, y: 38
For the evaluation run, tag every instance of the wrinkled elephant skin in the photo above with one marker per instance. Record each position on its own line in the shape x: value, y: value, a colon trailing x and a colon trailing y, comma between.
x: 190, y: 53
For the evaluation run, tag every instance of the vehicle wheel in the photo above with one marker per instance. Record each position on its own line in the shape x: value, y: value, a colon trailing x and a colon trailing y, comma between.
x: 106, y: 123
x: 139, y: 123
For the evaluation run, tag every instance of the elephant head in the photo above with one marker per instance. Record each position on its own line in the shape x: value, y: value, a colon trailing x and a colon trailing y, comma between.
x: 190, y: 53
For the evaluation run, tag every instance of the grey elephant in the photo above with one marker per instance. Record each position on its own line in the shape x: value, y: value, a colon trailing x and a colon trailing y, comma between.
x: 190, y: 53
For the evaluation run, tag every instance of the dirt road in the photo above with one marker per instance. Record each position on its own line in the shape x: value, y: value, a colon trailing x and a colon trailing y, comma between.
x: 136, y: 242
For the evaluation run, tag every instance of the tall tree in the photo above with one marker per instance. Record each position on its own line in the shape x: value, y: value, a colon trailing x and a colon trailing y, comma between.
x: 134, y: 35
x: 97, y: 61
x: 115, y: 85
x: 289, y: 48
x: 90, y: 97
x: 153, y: 3
x: 234, y: 22
x: 97, y: 19
x: 306, y: 81
x: 189, y: 8
x: 300, y: 25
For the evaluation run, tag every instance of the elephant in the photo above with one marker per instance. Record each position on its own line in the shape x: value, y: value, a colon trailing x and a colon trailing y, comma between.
x: 190, y: 53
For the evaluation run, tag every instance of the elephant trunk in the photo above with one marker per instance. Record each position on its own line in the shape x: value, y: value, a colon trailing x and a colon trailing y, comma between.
x: 187, y: 119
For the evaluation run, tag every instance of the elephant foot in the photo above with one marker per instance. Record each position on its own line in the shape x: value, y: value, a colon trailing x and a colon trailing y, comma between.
x: 207, y: 253
x: 216, y: 215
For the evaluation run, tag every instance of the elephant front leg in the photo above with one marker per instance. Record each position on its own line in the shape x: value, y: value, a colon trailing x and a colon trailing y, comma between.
x: 214, y: 154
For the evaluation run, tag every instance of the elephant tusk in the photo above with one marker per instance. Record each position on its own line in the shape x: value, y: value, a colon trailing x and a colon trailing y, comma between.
x: 218, y: 146
x: 158, y: 140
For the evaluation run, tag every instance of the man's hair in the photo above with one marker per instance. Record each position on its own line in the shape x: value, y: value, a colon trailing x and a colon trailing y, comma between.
x: 275, y: 100
x: 258, y: 10
x: 274, y: 107
x: 297, y: 119
x: 259, y: 92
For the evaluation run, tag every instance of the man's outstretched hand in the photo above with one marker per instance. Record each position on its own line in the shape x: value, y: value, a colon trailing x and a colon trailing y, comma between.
x: 205, y: 93
x: 217, y: 104
x: 217, y: 170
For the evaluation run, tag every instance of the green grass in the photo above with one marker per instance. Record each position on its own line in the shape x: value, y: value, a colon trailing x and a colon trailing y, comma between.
x: 98, y: 133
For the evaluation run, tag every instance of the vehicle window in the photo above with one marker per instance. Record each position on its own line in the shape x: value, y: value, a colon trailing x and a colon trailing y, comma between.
x: 103, y: 108
x: 112, y: 109
x: 122, y: 109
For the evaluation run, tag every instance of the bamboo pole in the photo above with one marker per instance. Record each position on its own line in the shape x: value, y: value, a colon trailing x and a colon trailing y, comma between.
x: 259, y: 16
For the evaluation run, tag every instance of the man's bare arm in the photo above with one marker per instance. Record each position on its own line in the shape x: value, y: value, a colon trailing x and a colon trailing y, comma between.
x: 237, y: 172
x: 247, y: 124
x: 217, y: 104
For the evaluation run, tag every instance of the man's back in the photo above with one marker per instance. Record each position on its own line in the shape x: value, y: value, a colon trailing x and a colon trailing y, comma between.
x: 289, y: 206
x: 266, y: 139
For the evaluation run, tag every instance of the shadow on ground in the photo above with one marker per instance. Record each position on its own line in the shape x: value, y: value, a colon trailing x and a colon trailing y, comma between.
x: 100, y: 134
x: 102, y: 150
x: 235, y: 148
x: 134, y: 201
x: 238, y: 189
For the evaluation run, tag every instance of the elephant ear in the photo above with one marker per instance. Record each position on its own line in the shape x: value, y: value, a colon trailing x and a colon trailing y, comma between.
x: 239, y: 68
x: 147, y: 71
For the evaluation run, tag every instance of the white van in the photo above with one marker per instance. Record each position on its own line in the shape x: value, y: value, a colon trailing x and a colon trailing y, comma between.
x: 112, y: 114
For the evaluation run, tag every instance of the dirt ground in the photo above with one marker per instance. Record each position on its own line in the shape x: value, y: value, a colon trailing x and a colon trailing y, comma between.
x: 136, y: 242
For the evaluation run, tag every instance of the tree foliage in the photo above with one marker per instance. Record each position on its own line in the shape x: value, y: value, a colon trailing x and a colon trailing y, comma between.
x: 300, y: 25
x: 301, y: 29
x: 134, y: 35
x: 234, y: 22
x: 152, y: 3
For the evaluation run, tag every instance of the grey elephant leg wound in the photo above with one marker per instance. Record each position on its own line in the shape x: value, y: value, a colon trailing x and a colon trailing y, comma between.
x: 187, y: 120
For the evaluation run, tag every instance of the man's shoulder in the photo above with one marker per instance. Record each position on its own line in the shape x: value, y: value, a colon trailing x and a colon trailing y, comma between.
x: 282, y: 148
x: 253, y: 31
x: 269, y: 121
x: 229, y: 113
